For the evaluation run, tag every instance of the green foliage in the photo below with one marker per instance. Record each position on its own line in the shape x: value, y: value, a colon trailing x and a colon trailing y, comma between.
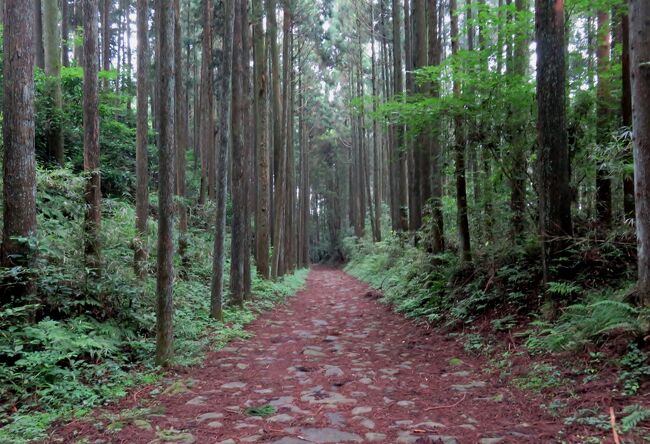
x: 79, y: 344
x: 587, y: 322
x: 635, y: 367
x: 634, y: 415
x: 540, y: 377
x: 262, y: 411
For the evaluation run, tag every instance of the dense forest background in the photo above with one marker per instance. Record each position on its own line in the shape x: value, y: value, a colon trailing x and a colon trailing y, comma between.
x: 172, y: 167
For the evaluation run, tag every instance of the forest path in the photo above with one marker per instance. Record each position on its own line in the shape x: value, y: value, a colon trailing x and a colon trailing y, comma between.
x: 337, y: 366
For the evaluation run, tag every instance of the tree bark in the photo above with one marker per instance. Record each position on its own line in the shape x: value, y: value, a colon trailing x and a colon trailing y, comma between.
x: 38, y: 34
x: 376, y: 147
x: 603, y: 112
x: 52, y: 46
x: 398, y: 156
x: 626, y: 114
x: 464, y: 242
x: 553, y: 154
x: 422, y: 152
x: 19, y: 179
x: 225, y: 118
x: 237, y: 245
x: 180, y: 135
x: 165, y: 280
x: 65, y: 32
x: 263, y: 180
x: 249, y: 140
x: 93, y: 193
x: 142, y: 143
x: 437, y: 234
x: 206, y: 125
x: 106, y: 39
x: 639, y: 13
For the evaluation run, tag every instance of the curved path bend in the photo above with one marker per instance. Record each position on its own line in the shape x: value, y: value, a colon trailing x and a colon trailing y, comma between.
x: 337, y: 366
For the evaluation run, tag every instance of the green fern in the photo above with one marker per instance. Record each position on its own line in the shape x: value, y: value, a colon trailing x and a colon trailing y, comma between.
x: 635, y: 415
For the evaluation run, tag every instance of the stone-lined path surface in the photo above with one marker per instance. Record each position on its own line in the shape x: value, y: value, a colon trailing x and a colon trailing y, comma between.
x: 337, y: 366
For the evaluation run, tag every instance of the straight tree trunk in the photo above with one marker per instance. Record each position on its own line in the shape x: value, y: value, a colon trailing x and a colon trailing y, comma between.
x: 398, y: 156
x: 238, y: 244
x: 280, y: 164
x: 93, y: 194
x: 52, y: 46
x: 626, y: 113
x: 249, y: 140
x: 464, y: 243
x: 377, y: 191
x: 181, y: 135
x: 38, y: 34
x: 206, y: 128
x: 604, y: 115
x: 19, y: 179
x: 65, y: 32
x: 142, y: 153
x: 438, y: 238
x: 422, y: 152
x: 165, y: 267
x: 106, y: 39
x: 78, y: 25
x: 639, y: 12
x: 518, y: 179
x: 553, y: 154
x: 263, y: 180
x: 225, y: 118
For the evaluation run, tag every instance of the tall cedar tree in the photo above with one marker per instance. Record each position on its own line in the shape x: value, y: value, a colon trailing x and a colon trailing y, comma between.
x: 142, y: 152
x: 206, y: 123
x: 93, y: 193
x: 52, y: 47
x: 398, y: 155
x: 237, y: 248
x: 19, y: 179
x: 553, y: 153
x: 437, y: 235
x: 604, y: 116
x: 225, y: 141
x: 181, y: 121
x: 166, y: 149
x: 639, y: 11
x: 459, y: 150
x: 262, y: 215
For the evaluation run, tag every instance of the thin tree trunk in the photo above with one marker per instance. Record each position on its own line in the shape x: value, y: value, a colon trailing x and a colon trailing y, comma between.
x: 93, y: 193
x: 52, y: 46
x: 38, y: 34
x: 78, y: 23
x: 238, y: 245
x: 263, y: 179
x: 106, y: 38
x: 398, y: 156
x: 375, y: 136
x: 165, y: 280
x: 464, y: 243
x: 639, y: 11
x: 603, y: 181
x: 65, y: 32
x: 438, y: 239
x: 142, y: 152
x: 19, y: 179
x: 225, y: 118
x: 249, y: 139
x: 181, y: 135
x: 626, y: 113
x: 206, y: 128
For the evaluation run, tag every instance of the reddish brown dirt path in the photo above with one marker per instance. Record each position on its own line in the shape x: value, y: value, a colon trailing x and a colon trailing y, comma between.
x: 338, y: 367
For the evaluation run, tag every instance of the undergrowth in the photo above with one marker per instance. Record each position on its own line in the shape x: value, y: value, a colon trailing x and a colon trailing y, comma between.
x: 502, y: 295
x: 77, y: 345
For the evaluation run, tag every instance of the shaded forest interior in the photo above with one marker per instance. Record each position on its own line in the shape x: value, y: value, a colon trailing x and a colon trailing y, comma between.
x: 173, y: 167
